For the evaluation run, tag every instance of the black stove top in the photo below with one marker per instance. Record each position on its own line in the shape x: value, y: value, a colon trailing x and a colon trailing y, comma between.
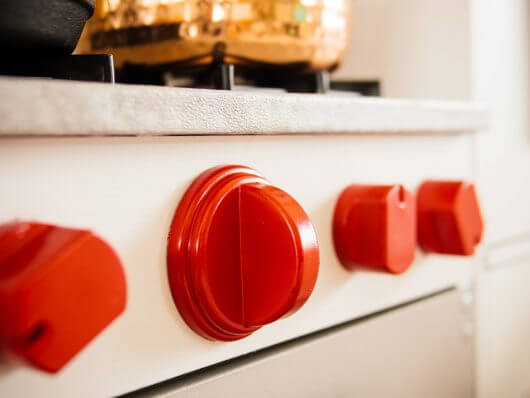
x: 221, y: 76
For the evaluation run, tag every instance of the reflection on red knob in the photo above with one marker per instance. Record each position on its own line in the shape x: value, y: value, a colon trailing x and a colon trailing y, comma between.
x: 375, y: 226
x: 449, y: 219
x: 241, y: 254
x: 59, y: 288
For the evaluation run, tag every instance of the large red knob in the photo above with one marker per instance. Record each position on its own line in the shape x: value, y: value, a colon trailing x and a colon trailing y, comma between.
x: 241, y: 253
x: 59, y: 288
x: 375, y: 226
x: 449, y: 219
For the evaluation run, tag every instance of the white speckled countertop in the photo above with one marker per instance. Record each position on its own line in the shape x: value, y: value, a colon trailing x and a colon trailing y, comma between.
x: 51, y: 107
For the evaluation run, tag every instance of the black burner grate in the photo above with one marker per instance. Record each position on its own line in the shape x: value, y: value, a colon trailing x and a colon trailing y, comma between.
x: 224, y: 76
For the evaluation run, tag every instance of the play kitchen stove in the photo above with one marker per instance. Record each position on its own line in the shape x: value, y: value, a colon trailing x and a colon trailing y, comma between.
x: 166, y: 240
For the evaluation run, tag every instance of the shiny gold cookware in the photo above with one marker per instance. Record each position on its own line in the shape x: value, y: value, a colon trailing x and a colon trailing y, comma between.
x: 307, y: 33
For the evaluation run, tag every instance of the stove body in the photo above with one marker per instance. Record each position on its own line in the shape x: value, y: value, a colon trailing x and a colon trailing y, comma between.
x: 118, y: 162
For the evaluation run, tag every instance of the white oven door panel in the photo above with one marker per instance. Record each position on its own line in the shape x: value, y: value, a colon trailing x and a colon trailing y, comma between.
x: 126, y: 189
x: 416, y: 351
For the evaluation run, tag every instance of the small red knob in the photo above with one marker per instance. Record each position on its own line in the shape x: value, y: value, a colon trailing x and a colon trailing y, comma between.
x: 241, y: 253
x: 59, y: 288
x: 375, y: 226
x: 449, y: 219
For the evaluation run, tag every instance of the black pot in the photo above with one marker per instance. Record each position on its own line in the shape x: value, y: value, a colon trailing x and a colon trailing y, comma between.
x: 47, y: 26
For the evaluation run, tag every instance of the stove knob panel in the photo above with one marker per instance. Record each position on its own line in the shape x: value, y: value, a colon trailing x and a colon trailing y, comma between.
x: 449, y: 217
x: 241, y: 254
x: 59, y: 288
x: 375, y: 226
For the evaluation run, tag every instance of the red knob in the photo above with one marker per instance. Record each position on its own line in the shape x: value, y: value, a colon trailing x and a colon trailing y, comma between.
x: 241, y: 253
x: 449, y: 219
x: 375, y: 226
x: 59, y: 288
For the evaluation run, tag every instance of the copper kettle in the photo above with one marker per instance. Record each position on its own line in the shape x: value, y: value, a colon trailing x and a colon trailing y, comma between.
x: 311, y: 34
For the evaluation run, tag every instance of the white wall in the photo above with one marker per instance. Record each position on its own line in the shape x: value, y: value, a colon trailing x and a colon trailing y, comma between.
x: 500, y: 79
x: 500, y: 70
x: 418, y: 48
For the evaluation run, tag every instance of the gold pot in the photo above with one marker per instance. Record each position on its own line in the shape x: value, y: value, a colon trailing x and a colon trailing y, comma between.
x: 312, y: 34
